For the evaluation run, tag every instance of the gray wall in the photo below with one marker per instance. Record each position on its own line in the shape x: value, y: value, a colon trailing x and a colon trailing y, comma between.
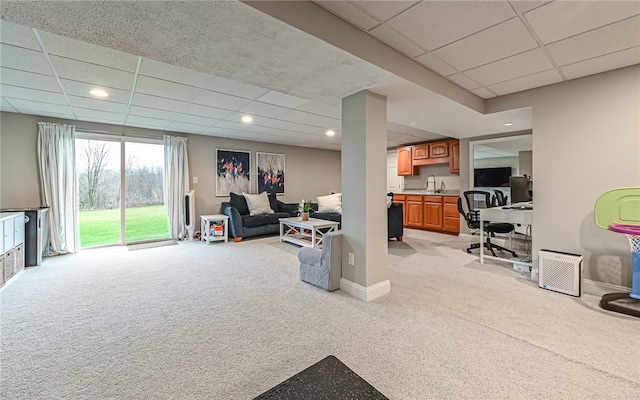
x: 309, y: 172
x: 586, y: 141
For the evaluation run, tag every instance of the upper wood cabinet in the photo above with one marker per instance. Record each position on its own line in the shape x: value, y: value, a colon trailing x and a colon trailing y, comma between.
x: 439, y: 150
x: 420, y: 151
x: 454, y: 160
x: 405, y: 161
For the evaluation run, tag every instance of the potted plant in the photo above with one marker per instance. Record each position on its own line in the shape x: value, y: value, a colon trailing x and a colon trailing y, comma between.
x: 305, y: 207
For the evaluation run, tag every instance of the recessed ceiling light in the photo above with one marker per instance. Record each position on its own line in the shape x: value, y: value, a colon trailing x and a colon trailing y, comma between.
x: 508, y: 124
x: 99, y: 93
x: 330, y: 132
x: 247, y: 119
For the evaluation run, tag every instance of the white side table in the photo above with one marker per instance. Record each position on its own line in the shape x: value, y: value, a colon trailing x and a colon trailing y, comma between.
x: 207, y: 233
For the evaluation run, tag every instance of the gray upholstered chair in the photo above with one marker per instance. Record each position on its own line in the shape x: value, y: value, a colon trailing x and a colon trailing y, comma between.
x: 323, y: 267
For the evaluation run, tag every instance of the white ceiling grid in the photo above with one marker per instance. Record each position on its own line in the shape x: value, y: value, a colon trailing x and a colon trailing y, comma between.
x: 165, y: 97
x: 499, y: 47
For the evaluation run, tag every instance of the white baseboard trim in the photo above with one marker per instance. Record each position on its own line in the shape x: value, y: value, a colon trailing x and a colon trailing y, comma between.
x: 365, y: 293
x: 599, y: 288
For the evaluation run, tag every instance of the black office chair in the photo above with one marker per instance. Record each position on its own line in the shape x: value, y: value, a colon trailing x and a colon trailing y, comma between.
x: 477, y: 199
x: 501, y: 199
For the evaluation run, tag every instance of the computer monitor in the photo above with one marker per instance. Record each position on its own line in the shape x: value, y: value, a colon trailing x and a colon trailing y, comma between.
x: 519, y: 189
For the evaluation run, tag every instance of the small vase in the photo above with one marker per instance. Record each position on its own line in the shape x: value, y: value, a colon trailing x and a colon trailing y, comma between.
x: 305, y: 216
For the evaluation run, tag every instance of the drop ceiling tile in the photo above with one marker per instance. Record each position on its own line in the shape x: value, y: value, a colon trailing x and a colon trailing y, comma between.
x: 389, y: 36
x: 17, y: 92
x: 562, y: 19
x: 311, y: 130
x: 311, y: 119
x: 510, y: 68
x: 435, y: 64
x: 196, y: 120
x: 498, y: 42
x: 611, y: 38
x: 168, y: 72
x: 315, y: 107
x: 527, y: 82
x: 280, y: 124
x: 29, y: 80
x: 484, y: 93
x: 281, y: 99
x: 266, y: 130
x: 166, y: 89
x: 18, y: 35
x: 29, y: 105
x: 221, y: 100
x: 236, y: 88
x: 91, y: 73
x: 152, y: 113
x: 350, y: 13
x: 604, y: 63
x: 464, y: 81
x: 237, y: 126
x: 209, y: 112
x: 384, y: 10
x: 218, y: 131
x: 87, y: 115
x: 6, y: 106
x: 528, y: 5
x: 82, y: 51
x: 82, y: 89
x: 144, y: 100
x: 151, y: 122
x: 187, y: 128
x: 433, y: 24
x: 96, y: 104
x: 264, y: 109
x: 24, y: 59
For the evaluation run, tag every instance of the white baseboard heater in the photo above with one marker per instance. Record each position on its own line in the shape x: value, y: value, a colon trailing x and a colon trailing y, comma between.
x: 560, y: 272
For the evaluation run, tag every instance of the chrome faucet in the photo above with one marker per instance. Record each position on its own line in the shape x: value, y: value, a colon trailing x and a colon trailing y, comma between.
x: 434, y: 182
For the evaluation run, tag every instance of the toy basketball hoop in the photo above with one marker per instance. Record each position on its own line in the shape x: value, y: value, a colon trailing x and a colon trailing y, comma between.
x: 618, y: 210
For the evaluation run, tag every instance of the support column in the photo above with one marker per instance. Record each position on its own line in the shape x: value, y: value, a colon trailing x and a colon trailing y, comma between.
x: 364, y: 184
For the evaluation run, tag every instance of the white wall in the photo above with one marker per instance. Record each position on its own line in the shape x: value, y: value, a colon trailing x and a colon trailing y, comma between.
x: 309, y: 172
x: 586, y: 141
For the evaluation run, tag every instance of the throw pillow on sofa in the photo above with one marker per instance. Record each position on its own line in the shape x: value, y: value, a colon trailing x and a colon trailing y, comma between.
x: 239, y: 202
x: 330, y: 204
x: 258, y: 203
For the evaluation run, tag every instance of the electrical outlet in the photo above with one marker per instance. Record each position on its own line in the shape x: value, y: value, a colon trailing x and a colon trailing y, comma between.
x: 195, y: 179
x: 352, y: 259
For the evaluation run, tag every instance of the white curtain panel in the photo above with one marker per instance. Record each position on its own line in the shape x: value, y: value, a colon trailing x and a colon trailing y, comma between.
x: 176, y: 183
x: 57, y: 161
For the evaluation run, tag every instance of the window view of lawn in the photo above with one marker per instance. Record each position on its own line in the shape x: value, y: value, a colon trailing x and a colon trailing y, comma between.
x: 100, y: 227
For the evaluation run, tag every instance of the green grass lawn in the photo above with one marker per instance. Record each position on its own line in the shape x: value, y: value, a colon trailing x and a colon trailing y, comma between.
x: 99, y: 227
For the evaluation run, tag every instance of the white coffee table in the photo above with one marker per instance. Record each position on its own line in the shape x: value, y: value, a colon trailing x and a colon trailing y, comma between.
x: 305, y: 233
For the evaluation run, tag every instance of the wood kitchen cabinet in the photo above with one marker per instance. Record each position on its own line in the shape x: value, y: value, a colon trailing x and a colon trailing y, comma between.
x: 413, y: 211
x: 405, y: 161
x: 451, y: 215
x: 454, y: 159
x: 439, y: 150
x: 420, y: 152
x: 401, y: 199
x: 432, y: 215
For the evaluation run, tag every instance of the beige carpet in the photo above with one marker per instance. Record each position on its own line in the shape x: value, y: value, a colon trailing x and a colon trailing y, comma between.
x: 229, y: 321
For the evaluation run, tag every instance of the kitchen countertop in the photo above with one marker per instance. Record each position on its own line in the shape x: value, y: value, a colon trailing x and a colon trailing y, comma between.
x: 423, y: 192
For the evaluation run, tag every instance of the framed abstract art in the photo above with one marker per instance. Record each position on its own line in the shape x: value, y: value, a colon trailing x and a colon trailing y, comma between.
x: 232, y: 172
x: 271, y: 172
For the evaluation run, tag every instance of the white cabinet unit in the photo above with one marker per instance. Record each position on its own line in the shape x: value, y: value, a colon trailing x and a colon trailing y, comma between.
x: 12, y: 254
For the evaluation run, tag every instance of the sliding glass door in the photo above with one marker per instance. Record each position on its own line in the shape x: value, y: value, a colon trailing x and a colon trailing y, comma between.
x: 145, y: 215
x: 107, y: 169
